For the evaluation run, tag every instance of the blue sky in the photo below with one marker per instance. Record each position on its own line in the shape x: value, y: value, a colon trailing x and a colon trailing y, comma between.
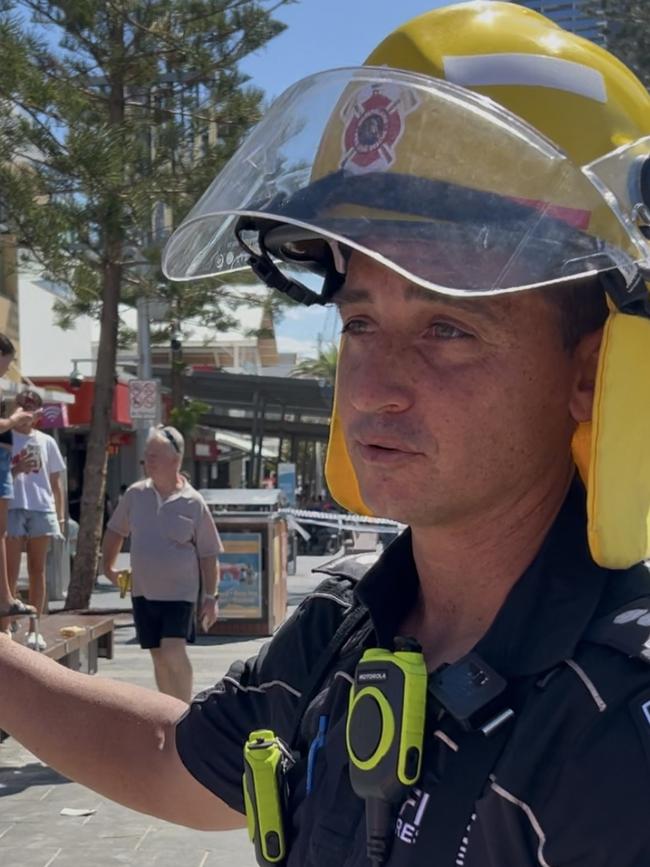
x: 323, y: 34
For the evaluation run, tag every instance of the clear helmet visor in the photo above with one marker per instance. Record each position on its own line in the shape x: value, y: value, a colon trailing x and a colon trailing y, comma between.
x: 441, y: 185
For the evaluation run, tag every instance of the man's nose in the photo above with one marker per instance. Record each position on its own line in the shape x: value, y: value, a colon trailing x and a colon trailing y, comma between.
x: 381, y: 380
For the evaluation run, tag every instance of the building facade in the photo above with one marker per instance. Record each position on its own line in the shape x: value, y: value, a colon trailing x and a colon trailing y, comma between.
x: 583, y: 17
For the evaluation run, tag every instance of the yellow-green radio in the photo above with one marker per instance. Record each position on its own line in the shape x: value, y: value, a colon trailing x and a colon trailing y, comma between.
x: 265, y: 761
x: 384, y: 734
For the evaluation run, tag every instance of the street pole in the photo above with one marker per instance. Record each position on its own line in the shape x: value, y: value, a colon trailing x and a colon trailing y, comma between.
x: 144, y: 372
x: 318, y: 467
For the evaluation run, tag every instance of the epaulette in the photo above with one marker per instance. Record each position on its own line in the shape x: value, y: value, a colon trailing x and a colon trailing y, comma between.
x: 342, y: 577
x: 352, y: 566
x: 626, y: 629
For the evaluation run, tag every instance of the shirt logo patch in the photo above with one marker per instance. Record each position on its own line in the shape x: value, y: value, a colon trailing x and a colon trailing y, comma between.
x: 464, y: 843
x: 645, y: 707
x: 407, y: 827
x: 640, y: 616
x: 639, y: 708
x: 636, y: 617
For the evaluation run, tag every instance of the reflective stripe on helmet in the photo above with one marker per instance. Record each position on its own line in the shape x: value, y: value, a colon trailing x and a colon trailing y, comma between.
x: 536, y: 70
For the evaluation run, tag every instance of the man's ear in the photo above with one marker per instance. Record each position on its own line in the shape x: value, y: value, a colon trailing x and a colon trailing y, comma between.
x: 586, y: 364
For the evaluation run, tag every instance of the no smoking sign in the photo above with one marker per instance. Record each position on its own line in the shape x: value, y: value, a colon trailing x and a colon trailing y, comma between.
x: 143, y: 398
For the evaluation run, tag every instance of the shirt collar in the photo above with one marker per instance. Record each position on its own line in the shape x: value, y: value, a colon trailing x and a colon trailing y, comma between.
x: 179, y: 492
x: 543, y: 616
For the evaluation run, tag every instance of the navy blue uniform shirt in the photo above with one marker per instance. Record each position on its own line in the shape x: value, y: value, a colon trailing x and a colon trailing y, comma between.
x: 571, y: 786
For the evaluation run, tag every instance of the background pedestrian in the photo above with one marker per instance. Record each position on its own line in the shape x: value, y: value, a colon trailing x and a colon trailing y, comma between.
x: 174, y: 549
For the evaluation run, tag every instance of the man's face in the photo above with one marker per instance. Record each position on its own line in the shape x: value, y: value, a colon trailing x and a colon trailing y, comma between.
x: 160, y: 459
x: 450, y: 407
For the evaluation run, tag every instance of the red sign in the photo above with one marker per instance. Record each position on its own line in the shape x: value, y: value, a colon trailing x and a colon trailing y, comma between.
x: 80, y: 411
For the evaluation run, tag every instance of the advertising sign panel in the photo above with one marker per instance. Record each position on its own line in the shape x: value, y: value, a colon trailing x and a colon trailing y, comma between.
x: 287, y: 481
x: 240, y: 590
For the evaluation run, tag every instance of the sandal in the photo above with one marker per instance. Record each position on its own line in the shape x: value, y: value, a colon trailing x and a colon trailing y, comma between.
x: 18, y: 609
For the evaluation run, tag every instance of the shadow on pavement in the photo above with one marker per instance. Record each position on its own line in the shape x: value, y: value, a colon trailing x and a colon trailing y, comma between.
x: 217, y: 640
x: 18, y: 778
x: 205, y: 640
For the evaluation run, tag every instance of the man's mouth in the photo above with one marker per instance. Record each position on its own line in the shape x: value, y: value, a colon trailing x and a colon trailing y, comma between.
x: 384, y: 451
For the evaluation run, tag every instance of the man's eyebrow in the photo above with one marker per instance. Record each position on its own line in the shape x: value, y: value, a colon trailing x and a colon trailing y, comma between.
x: 413, y: 292
x: 348, y: 295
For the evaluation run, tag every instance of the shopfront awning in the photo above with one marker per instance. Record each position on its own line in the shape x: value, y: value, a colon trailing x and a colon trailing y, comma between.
x: 244, y: 444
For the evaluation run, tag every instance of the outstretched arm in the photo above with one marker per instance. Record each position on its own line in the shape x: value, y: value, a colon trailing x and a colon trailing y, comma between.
x: 115, y: 738
x: 15, y: 418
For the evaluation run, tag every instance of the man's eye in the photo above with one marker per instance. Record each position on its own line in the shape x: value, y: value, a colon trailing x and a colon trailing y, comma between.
x: 354, y: 326
x: 447, y: 331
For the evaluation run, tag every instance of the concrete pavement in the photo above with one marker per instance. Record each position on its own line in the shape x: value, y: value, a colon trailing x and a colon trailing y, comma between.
x: 33, y: 833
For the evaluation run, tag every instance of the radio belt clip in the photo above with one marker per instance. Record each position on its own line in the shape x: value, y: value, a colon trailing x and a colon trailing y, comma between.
x: 266, y: 759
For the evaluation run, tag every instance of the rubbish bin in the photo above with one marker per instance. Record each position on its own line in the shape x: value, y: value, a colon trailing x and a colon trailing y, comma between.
x: 253, y: 589
x: 57, y: 569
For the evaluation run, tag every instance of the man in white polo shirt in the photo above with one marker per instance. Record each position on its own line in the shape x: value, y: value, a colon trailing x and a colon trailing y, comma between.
x: 174, y: 549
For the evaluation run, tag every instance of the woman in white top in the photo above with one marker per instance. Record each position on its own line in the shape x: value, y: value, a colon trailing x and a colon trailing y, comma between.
x: 10, y: 606
x: 36, y: 509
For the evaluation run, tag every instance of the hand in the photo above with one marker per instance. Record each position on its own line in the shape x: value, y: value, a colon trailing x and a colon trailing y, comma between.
x: 208, y: 612
x: 111, y: 574
x: 24, y: 463
x: 22, y: 416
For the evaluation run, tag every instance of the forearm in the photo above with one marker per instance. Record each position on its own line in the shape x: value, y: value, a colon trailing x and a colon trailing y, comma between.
x: 115, y: 738
x: 209, y: 575
x: 57, y: 493
x: 111, y: 547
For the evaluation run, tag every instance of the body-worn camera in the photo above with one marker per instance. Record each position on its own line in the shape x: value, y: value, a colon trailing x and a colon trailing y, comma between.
x: 472, y: 692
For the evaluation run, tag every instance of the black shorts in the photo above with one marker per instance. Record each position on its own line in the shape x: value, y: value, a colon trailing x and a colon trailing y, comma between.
x: 155, y: 619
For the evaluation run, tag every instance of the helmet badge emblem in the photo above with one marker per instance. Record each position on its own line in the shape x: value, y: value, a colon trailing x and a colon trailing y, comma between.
x: 374, y: 123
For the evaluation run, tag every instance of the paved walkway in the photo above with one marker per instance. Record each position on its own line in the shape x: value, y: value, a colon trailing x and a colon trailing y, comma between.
x: 33, y: 833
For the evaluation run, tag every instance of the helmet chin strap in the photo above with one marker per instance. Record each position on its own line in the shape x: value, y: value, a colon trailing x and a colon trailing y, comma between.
x: 268, y: 272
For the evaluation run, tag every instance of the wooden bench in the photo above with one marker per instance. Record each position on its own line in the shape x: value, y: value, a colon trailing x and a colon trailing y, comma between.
x: 81, y: 651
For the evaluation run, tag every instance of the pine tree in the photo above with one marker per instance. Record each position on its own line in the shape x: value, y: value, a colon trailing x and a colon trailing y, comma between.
x: 114, y: 114
x: 627, y: 32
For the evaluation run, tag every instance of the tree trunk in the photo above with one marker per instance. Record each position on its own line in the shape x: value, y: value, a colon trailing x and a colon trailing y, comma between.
x: 94, y: 478
x: 177, y: 384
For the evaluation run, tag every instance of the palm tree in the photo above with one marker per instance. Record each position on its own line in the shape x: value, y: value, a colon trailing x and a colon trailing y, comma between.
x: 322, y: 367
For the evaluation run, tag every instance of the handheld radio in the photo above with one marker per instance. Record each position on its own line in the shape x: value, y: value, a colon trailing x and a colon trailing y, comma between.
x: 384, y: 734
x: 266, y: 759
